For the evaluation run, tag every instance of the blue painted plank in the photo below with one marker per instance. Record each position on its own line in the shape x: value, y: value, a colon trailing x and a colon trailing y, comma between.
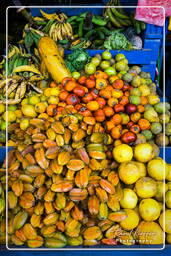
x: 150, y: 68
x: 145, y: 56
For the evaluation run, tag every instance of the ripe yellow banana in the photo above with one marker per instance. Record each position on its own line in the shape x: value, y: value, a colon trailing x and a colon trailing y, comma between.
x: 36, y: 78
x: 51, y: 31
x: 17, y: 94
x: 26, y: 68
x: 23, y: 90
x: 12, y: 88
x: 48, y: 16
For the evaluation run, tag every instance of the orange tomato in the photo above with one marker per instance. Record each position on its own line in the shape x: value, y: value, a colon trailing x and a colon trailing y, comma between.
x: 108, y: 111
x: 112, y: 79
x: 82, y: 80
x: 117, y: 93
x: 93, y: 105
x: 87, y: 98
x: 70, y: 85
x: 99, y: 115
x: 144, y: 124
x: 99, y: 74
x: 72, y: 99
x: 101, y: 102
x: 135, y: 128
x: 94, y: 92
x: 119, y: 108
x: 116, y: 132
x: 124, y: 100
x: 105, y: 75
x: 63, y: 95
x: 105, y: 93
x: 135, y: 117
x: 109, y: 87
x: 126, y: 93
x: 112, y: 101
x: 109, y: 125
x: 118, y: 84
x: 117, y: 119
x: 66, y: 79
x: 129, y: 124
x: 90, y: 83
x: 84, y: 111
x: 144, y: 100
x: 140, y: 108
x: 51, y: 110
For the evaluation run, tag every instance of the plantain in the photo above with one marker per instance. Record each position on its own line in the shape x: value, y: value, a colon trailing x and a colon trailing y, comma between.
x: 26, y: 68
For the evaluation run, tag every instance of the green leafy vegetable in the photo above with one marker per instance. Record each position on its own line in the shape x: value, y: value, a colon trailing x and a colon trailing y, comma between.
x: 77, y: 60
x: 117, y: 41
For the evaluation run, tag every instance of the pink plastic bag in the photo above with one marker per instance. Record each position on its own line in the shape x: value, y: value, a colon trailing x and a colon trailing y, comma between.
x: 153, y: 15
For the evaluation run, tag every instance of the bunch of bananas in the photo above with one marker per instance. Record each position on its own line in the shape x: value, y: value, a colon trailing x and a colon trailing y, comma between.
x: 15, y: 87
x: 118, y: 18
x: 57, y: 26
x: 20, y: 62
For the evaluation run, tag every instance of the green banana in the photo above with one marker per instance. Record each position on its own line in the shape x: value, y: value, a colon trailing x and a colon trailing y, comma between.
x: 47, y: 27
x: 11, y: 63
x: 137, y: 27
x: 112, y: 18
x: 118, y: 14
x: 28, y: 40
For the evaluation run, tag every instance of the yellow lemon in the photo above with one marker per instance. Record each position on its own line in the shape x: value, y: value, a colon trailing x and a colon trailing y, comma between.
x: 128, y: 172
x: 122, y: 153
x: 142, y: 169
x: 146, y: 187
x: 149, y: 232
x: 18, y: 113
x: 162, y: 188
x: 33, y: 100
x: 153, y: 99
x: 131, y: 220
x: 25, y: 101
x: 149, y: 209
x: 40, y: 107
x: 157, y: 169
x: 53, y: 100
x: 54, y: 91
x: 9, y: 116
x: 129, y: 199
x: 144, y: 89
x: 47, y: 92
x: 24, y: 124
x: 167, y: 217
x: 28, y: 110
x: 143, y: 152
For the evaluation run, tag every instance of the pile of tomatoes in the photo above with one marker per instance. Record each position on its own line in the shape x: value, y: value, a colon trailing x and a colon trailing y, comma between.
x: 103, y: 99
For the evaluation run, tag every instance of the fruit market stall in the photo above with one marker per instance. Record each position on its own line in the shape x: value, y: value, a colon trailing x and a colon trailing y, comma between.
x: 85, y: 124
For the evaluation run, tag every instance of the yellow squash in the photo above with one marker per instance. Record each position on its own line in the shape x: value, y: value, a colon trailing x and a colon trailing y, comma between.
x: 52, y: 59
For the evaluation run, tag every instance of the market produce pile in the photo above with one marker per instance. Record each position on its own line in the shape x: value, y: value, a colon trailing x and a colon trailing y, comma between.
x: 85, y: 167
